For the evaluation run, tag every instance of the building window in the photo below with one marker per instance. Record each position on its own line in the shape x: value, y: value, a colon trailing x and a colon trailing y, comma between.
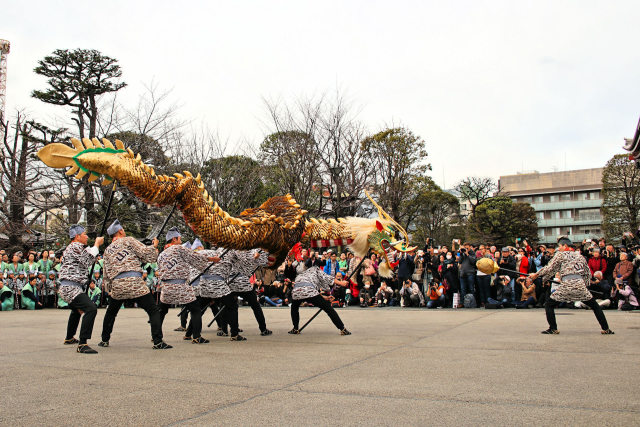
x: 554, y: 215
x: 538, y: 199
x: 565, y: 197
x: 540, y: 232
x: 594, y: 195
x: 540, y: 215
x: 565, y: 214
x: 554, y: 198
x: 582, y: 196
x: 589, y: 214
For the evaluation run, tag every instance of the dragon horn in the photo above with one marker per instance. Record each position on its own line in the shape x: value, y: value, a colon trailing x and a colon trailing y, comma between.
x: 384, y: 215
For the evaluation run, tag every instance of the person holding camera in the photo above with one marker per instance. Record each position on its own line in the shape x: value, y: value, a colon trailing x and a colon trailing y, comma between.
x: 410, y: 295
x: 468, y: 269
x: 627, y: 299
x: 384, y: 295
x: 528, y: 297
x: 436, y: 295
x: 366, y: 294
x: 600, y: 289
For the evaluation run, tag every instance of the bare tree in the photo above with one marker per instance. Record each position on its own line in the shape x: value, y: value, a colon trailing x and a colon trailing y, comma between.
x: 20, y: 180
x: 476, y: 190
x: 316, y: 153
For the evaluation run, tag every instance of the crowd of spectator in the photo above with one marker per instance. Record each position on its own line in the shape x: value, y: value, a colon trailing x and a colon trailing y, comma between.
x: 433, y: 277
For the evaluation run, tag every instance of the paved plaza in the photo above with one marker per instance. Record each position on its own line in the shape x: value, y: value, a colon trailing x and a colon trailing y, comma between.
x: 400, y: 367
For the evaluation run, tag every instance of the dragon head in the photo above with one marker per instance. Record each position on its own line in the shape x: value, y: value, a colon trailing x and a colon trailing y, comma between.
x: 382, y: 236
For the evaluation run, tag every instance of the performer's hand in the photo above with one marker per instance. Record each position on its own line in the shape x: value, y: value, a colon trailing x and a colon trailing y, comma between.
x: 99, y: 241
x: 256, y: 255
x: 214, y: 259
x: 155, y: 242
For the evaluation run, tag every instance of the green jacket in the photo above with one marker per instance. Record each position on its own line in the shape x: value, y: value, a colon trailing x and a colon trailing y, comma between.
x: 45, y: 266
x: 7, y: 305
x: 25, y: 302
x: 13, y: 269
x: 28, y: 268
x: 94, y: 295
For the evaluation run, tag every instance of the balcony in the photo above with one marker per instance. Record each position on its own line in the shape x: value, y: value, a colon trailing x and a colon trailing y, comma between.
x: 569, y: 204
x: 575, y: 238
x: 567, y: 222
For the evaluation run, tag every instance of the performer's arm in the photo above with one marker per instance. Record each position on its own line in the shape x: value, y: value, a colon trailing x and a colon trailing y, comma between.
x: 550, y: 269
x: 146, y: 254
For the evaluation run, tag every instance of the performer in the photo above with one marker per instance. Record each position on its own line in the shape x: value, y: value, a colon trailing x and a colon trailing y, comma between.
x: 123, y: 276
x: 76, y: 261
x: 307, y: 288
x: 173, y: 271
x: 243, y: 265
x: 575, y: 275
x: 213, y: 286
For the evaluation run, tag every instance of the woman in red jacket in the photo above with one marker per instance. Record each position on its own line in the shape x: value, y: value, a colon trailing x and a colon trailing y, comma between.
x: 524, y: 261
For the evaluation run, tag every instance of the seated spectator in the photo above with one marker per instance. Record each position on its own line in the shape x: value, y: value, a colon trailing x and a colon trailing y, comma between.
x: 627, y: 299
x: 503, y: 291
x: 528, y: 296
x: 366, y: 294
x: 600, y: 289
x: 436, y: 295
x: 410, y: 295
x: 341, y: 290
x: 384, y: 295
x: 6, y: 296
x: 30, y: 299
x: 94, y: 293
x: 273, y: 294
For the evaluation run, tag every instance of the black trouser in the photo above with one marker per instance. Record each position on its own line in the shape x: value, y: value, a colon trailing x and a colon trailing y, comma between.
x: 551, y: 304
x: 319, y: 302
x: 81, y: 303
x: 196, y: 317
x: 183, y: 318
x: 145, y: 302
x: 252, y: 299
x: 229, y: 316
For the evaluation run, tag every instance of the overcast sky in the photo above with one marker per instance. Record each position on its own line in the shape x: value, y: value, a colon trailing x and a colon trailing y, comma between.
x: 494, y: 87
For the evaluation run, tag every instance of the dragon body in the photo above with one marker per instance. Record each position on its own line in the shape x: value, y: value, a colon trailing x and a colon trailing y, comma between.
x: 276, y: 225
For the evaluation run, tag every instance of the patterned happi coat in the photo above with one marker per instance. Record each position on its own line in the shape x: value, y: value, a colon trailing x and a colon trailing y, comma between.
x: 244, y: 265
x: 76, y: 262
x: 318, y: 280
x: 210, y: 288
x: 566, y: 263
x: 175, y: 263
x: 127, y: 254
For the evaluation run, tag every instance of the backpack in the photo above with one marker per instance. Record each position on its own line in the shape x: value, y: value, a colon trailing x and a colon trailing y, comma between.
x: 470, y: 301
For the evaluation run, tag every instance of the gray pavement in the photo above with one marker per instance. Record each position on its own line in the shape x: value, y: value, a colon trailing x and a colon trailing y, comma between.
x: 400, y: 366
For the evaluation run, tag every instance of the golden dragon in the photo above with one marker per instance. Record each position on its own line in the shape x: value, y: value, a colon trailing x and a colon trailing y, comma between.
x: 276, y: 226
